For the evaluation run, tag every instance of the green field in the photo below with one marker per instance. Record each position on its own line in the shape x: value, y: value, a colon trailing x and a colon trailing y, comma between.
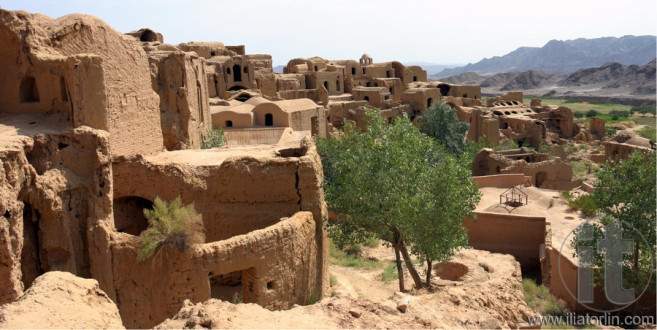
x: 576, y: 105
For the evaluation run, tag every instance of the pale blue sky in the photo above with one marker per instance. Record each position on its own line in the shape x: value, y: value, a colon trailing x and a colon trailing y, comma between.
x: 411, y: 30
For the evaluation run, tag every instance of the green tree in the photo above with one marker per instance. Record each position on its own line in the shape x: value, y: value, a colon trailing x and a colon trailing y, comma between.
x: 625, y: 192
x: 397, y: 184
x: 170, y: 224
x: 441, y: 123
x: 592, y: 113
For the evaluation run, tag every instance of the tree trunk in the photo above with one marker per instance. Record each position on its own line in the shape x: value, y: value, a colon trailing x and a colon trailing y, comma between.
x: 428, y: 272
x: 400, y: 270
x: 407, y: 261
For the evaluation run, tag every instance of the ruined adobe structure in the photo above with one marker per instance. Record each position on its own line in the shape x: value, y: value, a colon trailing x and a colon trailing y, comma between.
x: 543, y: 170
x: 95, y: 124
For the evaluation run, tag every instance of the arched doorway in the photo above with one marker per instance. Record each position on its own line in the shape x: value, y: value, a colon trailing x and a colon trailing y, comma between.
x: 269, y: 119
x: 229, y: 123
x: 129, y: 215
x: 429, y: 102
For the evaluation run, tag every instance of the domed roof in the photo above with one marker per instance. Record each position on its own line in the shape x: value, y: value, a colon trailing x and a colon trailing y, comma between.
x: 366, y: 56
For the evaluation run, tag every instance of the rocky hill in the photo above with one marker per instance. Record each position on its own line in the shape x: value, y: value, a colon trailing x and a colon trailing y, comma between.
x: 611, y: 77
x: 564, y: 57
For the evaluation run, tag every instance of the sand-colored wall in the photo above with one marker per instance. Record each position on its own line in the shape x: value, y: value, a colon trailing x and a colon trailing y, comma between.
x: 180, y: 80
x: 282, y: 271
x: 55, y: 201
x: 501, y: 180
x: 517, y: 235
x: 235, y: 137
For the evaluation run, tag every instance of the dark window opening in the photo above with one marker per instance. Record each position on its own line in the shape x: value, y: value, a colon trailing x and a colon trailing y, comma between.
x: 246, y: 69
x: 363, y: 70
x: 227, y: 287
x: 387, y: 97
x: 129, y: 215
x: 213, y: 53
x: 368, y: 84
x: 337, y: 85
x: 414, y: 78
x: 229, y: 123
x: 366, y: 98
x: 353, y: 70
x: 227, y: 70
x: 28, y: 90
x: 269, y: 119
x: 326, y: 85
x: 148, y: 36
x: 237, y: 73
x: 63, y: 90
x: 387, y: 74
x: 497, y: 169
x: 429, y: 101
x: 271, y: 285
x: 392, y: 90
x: 316, y: 68
x: 505, y: 125
x: 465, y: 95
x: 444, y: 89
x: 376, y: 84
x: 520, y: 143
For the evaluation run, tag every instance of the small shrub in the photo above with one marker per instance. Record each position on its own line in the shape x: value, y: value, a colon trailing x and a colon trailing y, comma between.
x: 586, y: 203
x: 389, y: 273
x: 333, y: 280
x: 592, y: 113
x: 579, y: 114
x: 170, y: 224
x: 648, y: 132
x: 342, y: 258
x: 372, y: 242
x: 214, y: 138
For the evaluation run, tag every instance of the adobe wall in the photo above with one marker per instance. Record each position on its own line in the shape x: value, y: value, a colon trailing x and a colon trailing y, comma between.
x: 181, y: 82
x: 55, y: 201
x: 278, y: 270
x: 80, y: 66
x: 270, y: 135
x: 517, y: 235
x: 501, y: 180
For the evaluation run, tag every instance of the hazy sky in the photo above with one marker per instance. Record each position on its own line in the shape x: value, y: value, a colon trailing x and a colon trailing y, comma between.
x: 411, y: 30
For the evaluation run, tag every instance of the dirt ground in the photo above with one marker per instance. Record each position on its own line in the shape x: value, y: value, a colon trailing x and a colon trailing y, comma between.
x: 479, y: 295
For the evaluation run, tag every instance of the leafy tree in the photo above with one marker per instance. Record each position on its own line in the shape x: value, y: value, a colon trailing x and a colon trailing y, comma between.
x: 626, y: 193
x: 170, y: 224
x: 592, y: 113
x: 397, y: 184
x: 441, y: 123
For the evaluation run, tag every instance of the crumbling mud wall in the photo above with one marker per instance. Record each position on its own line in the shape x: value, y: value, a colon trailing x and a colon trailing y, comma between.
x: 237, y: 196
x: 55, y: 202
x: 180, y: 80
x: 270, y: 267
x: 77, y: 65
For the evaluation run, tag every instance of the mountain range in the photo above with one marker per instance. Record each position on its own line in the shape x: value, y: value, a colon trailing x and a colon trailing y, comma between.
x: 564, y: 57
x: 608, y: 78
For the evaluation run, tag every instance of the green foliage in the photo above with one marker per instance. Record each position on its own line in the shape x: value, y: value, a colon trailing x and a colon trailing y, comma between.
x: 592, y: 113
x: 394, y: 179
x: 389, y: 273
x: 585, y: 203
x: 578, y: 114
x: 648, y: 132
x: 539, y: 298
x: 625, y: 192
x: 341, y: 258
x: 441, y: 123
x: 645, y: 109
x: 333, y: 280
x: 610, y: 130
x: 214, y: 138
x: 170, y: 224
x: 617, y: 114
